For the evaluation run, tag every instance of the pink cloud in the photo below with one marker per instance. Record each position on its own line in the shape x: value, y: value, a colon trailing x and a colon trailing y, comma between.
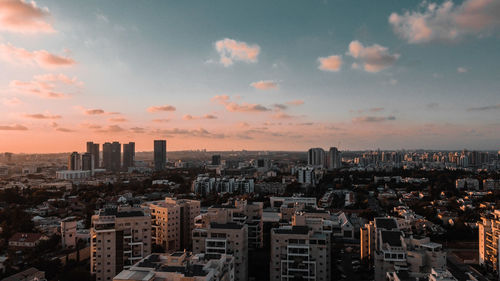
x: 331, y: 63
x: 372, y: 119
x: 242, y: 107
x: 191, y: 117
x: 296, y: 102
x: 117, y: 119
x: 40, y: 58
x: 45, y: 86
x: 161, y: 108
x: 265, y: 85
x: 42, y: 116
x: 447, y: 22
x: 15, y: 127
x: 282, y: 115
x: 161, y: 120
x: 231, y: 50
x: 64, y: 130
x: 12, y: 101
x: 375, y: 58
x: 24, y: 17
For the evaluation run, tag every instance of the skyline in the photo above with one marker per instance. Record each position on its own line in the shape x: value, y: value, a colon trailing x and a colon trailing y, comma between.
x: 285, y: 75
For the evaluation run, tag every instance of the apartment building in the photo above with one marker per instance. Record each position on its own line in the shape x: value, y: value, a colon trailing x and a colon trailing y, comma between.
x: 120, y: 237
x: 489, y: 233
x: 298, y: 252
x: 172, y: 222
x: 223, y: 236
x: 180, y: 266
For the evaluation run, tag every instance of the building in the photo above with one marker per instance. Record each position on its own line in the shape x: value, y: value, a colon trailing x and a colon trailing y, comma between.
x: 205, y: 184
x: 172, y: 221
x: 489, y: 234
x: 160, y: 154
x: 316, y: 157
x: 299, y: 252
x: 180, y: 266
x: 93, y: 148
x: 334, y: 159
x: 68, y: 232
x: 306, y: 175
x: 120, y: 237
x: 216, y: 160
x: 128, y: 155
x: 30, y: 274
x: 74, y: 162
x: 88, y: 162
x: 277, y: 202
x: 20, y: 240
x: 73, y: 175
x: 223, y: 237
x: 111, y: 156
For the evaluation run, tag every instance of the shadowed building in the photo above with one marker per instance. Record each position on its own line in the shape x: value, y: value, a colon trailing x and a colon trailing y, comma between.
x: 160, y: 154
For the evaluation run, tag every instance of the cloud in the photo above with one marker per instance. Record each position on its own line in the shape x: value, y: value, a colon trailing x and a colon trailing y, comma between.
x: 191, y: 117
x: 243, y: 125
x: 15, y: 127
x: 484, y: 108
x: 371, y: 109
x: 42, y: 116
x: 161, y: 108
x: 94, y: 111
x: 111, y: 129
x: 295, y: 102
x: 11, y: 101
x: 447, y: 22
x: 64, y: 130
x: 235, y: 107
x: 461, y: 70
x: 41, y: 58
x: 231, y: 50
x: 45, y: 85
x: 372, y: 119
x: 265, y: 85
x: 137, y: 130
x: 117, y: 119
x: 279, y: 106
x: 185, y: 132
x: 331, y: 63
x: 90, y: 126
x: 24, y: 17
x: 282, y: 115
x: 161, y: 120
x: 374, y: 58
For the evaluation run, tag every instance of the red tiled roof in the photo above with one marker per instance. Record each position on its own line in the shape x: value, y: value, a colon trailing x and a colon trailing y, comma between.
x: 25, y: 237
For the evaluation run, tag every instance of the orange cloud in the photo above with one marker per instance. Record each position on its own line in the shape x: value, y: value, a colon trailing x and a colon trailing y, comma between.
x: 161, y: 120
x: 64, y: 130
x: 375, y: 58
x: 282, y: 115
x: 331, y: 63
x: 15, y: 127
x: 191, y: 117
x: 231, y: 50
x: 372, y: 119
x: 118, y: 119
x: 12, y: 101
x: 40, y: 58
x: 235, y: 107
x: 185, y: 132
x: 296, y: 102
x: 23, y: 17
x: 161, y: 108
x: 42, y: 116
x: 45, y: 86
x: 265, y: 85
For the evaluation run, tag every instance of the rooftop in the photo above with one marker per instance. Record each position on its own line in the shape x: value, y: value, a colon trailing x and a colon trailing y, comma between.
x: 301, y: 230
x: 386, y: 223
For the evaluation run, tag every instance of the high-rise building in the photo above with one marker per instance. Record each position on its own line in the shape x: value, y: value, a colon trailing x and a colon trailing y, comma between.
x: 160, y: 154
x: 74, y: 161
x: 120, y: 237
x: 224, y: 237
x: 334, y: 159
x: 172, y: 221
x: 316, y: 157
x: 111, y: 156
x: 216, y: 159
x: 489, y: 234
x: 88, y: 161
x: 299, y: 252
x: 128, y: 155
x: 93, y: 148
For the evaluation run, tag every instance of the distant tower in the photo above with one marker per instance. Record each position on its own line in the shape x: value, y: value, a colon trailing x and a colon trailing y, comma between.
x: 93, y: 148
x: 74, y: 161
x: 316, y: 157
x: 88, y: 161
x: 128, y: 155
x: 334, y: 159
x: 216, y: 159
x: 160, y: 154
x: 111, y: 156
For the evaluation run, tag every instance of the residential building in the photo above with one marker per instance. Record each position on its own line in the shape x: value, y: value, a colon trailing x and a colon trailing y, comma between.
x: 74, y: 162
x: 111, y: 156
x: 30, y: 274
x: 93, y: 148
x: 120, y: 237
x: 489, y: 234
x: 68, y: 232
x: 316, y: 157
x: 160, y: 154
x: 334, y: 159
x: 21, y: 240
x: 88, y: 162
x: 128, y: 155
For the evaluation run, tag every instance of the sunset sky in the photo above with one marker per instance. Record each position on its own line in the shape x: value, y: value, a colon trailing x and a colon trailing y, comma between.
x: 266, y: 75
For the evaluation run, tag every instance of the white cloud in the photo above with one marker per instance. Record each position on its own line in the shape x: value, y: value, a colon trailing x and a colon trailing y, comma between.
x: 374, y: 58
x: 231, y: 50
x: 330, y: 63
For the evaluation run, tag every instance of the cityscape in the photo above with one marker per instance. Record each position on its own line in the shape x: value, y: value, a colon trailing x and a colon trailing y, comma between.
x: 238, y: 140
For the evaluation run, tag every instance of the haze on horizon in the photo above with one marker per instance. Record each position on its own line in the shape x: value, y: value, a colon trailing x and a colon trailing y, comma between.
x: 254, y: 75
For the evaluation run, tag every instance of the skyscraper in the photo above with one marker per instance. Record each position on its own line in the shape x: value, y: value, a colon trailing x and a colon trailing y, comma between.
x: 128, y: 155
x: 316, y: 157
x: 74, y: 161
x: 111, y: 156
x: 160, y: 154
x: 334, y: 159
x: 93, y: 148
x: 216, y: 159
x: 88, y: 162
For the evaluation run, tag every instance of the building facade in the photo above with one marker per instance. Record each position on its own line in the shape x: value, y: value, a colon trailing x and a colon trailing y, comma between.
x: 160, y: 154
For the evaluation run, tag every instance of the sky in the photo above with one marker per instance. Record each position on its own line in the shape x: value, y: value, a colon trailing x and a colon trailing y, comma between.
x: 254, y: 75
